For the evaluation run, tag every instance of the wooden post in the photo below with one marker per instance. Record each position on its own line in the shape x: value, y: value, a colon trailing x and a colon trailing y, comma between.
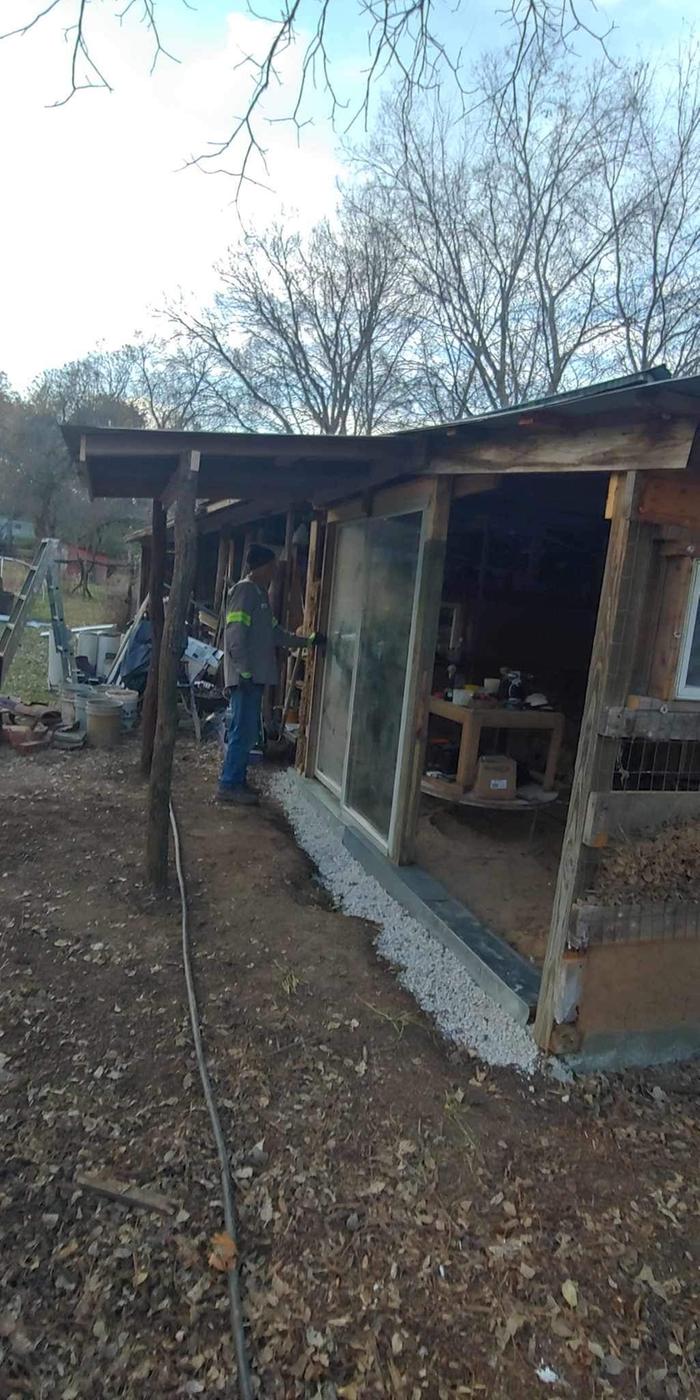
x: 222, y: 562
x: 311, y: 600
x: 420, y: 672
x: 616, y: 572
x: 155, y: 611
x: 171, y: 650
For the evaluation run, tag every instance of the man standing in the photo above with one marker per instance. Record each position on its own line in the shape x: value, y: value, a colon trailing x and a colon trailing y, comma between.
x: 251, y: 638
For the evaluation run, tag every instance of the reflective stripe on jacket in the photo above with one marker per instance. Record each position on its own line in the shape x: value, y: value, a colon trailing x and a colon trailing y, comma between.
x: 252, y: 635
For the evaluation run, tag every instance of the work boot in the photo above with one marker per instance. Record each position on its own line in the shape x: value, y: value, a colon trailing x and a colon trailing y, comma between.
x: 238, y: 797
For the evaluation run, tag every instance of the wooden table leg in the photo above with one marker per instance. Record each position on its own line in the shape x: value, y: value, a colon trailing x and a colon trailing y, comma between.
x: 468, y: 752
x: 555, y: 741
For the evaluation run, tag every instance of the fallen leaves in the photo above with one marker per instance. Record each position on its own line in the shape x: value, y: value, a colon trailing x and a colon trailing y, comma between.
x: 570, y: 1293
x: 223, y: 1252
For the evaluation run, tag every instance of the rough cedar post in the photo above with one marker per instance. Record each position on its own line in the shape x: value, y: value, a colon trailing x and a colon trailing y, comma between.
x: 155, y: 610
x: 173, y: 634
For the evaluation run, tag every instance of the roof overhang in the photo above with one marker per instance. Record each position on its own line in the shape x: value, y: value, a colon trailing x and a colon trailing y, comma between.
x: 640, y: 424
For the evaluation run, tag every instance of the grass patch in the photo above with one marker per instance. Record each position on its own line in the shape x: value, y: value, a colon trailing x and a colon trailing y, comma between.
x: 27, y: 675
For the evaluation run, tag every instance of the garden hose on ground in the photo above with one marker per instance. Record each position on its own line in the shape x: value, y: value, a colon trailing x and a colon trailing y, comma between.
x: 245, y: 1384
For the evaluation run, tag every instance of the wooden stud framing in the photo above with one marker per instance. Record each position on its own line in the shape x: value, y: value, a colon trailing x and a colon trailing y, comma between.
x: 304, y: 757
x: 597, y: 696
x: 166, y: 727
x: 222, y: 561
x: 420, y: 672
x: 155, y: 611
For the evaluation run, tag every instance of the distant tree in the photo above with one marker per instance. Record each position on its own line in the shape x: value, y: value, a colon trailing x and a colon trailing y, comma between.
x: 309, y: 334
x: 553, y: 237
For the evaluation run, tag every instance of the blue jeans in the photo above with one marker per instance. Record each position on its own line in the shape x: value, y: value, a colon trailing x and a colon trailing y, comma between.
x: 242, y: 729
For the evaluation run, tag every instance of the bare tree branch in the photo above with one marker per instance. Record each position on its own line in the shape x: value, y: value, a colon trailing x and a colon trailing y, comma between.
x: 404, y: 45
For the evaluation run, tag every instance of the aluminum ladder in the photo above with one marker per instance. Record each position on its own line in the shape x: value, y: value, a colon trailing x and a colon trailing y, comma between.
x: 42, y: 570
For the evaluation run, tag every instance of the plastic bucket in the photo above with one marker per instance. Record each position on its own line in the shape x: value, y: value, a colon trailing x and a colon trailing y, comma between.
x: 104, y: 722
x: 128, y: 700
x: 74, y: 698
x: 67, y: 700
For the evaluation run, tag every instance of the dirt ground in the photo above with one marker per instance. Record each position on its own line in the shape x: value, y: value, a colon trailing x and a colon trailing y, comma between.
x: 413, y: 1223
x: 498, y: 864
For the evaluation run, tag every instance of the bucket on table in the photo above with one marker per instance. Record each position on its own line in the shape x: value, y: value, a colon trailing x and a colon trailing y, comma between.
x: 129, y: 702
x: 104, y: 721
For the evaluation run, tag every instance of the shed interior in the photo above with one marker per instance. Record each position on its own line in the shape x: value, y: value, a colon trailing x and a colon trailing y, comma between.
x: 523, y: 570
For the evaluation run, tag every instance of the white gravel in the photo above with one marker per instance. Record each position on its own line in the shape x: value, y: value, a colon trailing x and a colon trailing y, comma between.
x: 434, y: 975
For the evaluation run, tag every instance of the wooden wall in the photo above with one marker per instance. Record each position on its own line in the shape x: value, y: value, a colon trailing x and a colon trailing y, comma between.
x: 631, y: 967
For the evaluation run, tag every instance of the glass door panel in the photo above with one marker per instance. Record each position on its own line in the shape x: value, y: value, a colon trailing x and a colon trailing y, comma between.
x: 341, y: 651
x: 390, y: 568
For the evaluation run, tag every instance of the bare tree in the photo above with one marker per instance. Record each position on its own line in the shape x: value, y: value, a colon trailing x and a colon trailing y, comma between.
x: 652, y: 180
x: 552, y: 236
x: 170, y: 381
x: 404, y: 40
x: 310, y: 334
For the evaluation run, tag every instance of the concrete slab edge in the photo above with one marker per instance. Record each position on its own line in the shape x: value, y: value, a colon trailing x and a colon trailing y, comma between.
x: 510, y: 981
x: 616, y: 1050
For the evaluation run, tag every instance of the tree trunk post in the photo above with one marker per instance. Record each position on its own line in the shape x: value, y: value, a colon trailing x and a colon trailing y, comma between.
x: 171, y: 649
x: 155, y: 609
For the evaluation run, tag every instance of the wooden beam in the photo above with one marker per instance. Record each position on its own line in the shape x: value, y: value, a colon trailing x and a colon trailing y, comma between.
x: 174, y: 485
x: 420, y: 672
x: 156, y: 584
x: 280, y: 447
x: 611, y: 814
x: 666, y: 642
x: 475, y: 485
x: 314, y: 572
x: 222, y: 559
x: 614, y: 579
x: 666, y: 500
x: 657, y: 445
x: 157, y: 834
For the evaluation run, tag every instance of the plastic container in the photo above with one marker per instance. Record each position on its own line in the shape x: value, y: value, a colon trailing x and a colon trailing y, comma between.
x: 73, y: 701
x: 129, y: 703
x: 85, y: 647
x: 104, y: 722
x: 107, y: 647
x: 67, y: 702
x: 464, y: 696
x: 492, y: 685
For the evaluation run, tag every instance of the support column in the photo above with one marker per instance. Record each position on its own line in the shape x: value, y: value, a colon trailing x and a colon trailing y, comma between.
x: 604, y: 687
x: 173, y: 634
x: 155, y: 611
x: 310, y: 623
x: 421, y: 661
x: 221, y: 569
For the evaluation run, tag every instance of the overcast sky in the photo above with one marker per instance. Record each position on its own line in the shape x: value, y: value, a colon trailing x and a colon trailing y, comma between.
x: 100, y: 222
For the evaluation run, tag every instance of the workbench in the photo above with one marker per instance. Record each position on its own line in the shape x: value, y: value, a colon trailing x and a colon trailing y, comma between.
x: 474, y: 718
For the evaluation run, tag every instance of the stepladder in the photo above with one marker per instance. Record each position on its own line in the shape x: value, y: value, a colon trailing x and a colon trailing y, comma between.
x: 42, y: 570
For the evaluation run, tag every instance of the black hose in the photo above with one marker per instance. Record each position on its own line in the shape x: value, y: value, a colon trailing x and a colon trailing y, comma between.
x: 245, y: 1384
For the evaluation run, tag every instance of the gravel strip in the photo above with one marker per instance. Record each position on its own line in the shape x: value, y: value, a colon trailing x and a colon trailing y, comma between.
x: 432, y: 973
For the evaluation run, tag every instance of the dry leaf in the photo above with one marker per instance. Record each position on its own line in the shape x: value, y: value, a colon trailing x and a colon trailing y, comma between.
x: 223, y: 1254
x: 570, y: 1293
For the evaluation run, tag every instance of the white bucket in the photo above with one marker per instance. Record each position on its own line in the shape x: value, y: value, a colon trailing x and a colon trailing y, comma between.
x: 77, y: 695
x: 129, y: 702
x: 104, y: 721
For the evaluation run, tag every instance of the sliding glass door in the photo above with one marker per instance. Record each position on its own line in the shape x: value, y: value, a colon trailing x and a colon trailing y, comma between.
x: 376, y: 566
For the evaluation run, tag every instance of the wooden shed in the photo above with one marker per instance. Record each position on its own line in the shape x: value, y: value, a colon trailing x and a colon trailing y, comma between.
x: 555, y: 543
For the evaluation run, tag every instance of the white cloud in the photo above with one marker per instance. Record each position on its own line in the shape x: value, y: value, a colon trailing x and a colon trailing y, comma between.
x: 100, y: 220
